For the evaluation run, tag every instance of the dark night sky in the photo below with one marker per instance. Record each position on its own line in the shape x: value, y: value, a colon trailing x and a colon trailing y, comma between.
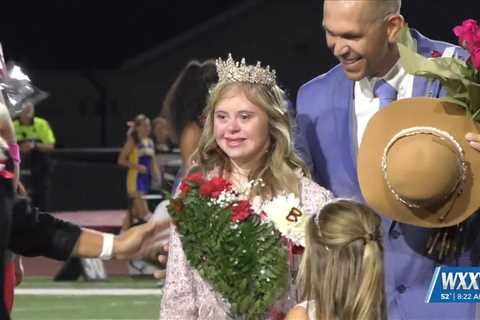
x: 66, y: 34
x: 101, y: 34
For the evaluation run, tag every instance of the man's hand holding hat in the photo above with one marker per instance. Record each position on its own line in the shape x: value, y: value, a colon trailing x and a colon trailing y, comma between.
x: 474, y: 140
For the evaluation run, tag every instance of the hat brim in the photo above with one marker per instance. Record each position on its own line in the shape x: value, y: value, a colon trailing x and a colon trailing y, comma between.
x: 416, y: 112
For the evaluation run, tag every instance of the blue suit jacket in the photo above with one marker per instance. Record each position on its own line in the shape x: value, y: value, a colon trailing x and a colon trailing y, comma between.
x: 325, y: 121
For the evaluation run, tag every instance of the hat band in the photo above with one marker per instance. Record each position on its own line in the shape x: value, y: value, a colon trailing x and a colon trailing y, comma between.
x: 458, y: 187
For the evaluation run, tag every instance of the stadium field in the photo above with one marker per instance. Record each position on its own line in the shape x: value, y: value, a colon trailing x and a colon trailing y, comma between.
x: 119, y: 298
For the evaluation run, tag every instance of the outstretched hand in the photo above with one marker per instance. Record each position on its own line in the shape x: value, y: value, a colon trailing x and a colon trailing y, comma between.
x: 143, y: 241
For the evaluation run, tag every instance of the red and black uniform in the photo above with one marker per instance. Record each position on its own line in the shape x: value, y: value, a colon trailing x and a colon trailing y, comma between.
x: 28, y: 232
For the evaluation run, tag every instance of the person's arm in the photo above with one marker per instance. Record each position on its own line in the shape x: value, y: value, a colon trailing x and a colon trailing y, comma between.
x: 134, y: 242
x: 34, y: 233
x: 44, y: 147
x: 7, y: 132
x: 189, y: 140
x: 123, y: 155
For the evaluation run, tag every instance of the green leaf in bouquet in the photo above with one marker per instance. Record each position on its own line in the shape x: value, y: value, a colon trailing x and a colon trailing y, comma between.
x: 243, y: 284
x: 230, y: 256
x: 245, y: 303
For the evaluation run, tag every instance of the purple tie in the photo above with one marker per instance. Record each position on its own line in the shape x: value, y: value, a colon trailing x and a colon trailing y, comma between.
x: 385, y: 92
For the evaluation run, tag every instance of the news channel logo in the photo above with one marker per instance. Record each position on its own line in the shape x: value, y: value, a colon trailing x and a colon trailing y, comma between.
x: 455, y: 285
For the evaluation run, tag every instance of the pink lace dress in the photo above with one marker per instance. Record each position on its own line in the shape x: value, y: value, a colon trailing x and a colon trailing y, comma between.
x: 187, y: 295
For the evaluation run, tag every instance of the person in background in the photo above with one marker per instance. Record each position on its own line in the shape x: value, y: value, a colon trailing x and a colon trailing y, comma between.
x: 342, y: 267
x: 138, y: 155
x: 185, y: 102
x: 36, y: 139
x: 166, y: 153
x: 162, y: 135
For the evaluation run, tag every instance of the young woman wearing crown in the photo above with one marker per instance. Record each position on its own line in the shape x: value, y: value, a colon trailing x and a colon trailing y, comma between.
x: 247, y: 137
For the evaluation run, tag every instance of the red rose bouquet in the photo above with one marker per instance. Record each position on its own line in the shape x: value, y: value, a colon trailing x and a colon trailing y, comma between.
x: 240, y: 255
x: 460, y: 78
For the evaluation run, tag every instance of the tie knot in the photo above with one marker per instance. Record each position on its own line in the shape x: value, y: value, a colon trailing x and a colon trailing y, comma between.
x: 385, y: 92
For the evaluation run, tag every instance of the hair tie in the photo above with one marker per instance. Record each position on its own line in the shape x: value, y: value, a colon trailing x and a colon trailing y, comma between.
x: 369, y: 237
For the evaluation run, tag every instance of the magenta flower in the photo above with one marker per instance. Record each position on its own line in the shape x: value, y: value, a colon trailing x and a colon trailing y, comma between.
x: 469, y: 37
x: 468, y: 34
x: 468, y: 26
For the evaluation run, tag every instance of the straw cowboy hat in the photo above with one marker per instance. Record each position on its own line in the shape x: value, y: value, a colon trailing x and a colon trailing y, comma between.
x: 415, y: 166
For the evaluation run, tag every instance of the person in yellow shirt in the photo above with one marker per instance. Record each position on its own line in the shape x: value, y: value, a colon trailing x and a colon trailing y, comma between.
x: 36, y: 139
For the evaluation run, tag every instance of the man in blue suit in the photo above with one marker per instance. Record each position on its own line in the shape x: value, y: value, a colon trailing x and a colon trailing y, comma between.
x: 332, y: 113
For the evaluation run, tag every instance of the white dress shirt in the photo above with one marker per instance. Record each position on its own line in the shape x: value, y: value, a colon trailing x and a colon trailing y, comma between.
x: 365, y: 102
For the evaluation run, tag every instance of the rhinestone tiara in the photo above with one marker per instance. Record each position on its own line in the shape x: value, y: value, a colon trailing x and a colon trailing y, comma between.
x: 233, y: 71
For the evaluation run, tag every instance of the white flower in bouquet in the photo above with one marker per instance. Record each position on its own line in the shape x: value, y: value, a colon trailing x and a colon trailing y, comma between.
x: 285, y: 212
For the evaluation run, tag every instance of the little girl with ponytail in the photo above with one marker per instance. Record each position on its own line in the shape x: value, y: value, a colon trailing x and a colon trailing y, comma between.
x: 342, y: 268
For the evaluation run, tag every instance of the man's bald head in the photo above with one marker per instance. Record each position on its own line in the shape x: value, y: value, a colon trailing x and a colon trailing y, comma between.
x: 361, y: 34
x: 380, y: 8
x: 391, y: 6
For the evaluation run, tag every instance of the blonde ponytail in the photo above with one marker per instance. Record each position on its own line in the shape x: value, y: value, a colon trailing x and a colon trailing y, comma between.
x: 371, y: 288
x: 342, y: 267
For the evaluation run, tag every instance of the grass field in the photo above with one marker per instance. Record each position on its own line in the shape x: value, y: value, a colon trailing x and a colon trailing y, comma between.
x: 87, y: 300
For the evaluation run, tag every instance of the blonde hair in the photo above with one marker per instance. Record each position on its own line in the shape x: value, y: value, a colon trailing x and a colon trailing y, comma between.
x: 137, y: 122
x: 280, y: 164
x: 342, y: 266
